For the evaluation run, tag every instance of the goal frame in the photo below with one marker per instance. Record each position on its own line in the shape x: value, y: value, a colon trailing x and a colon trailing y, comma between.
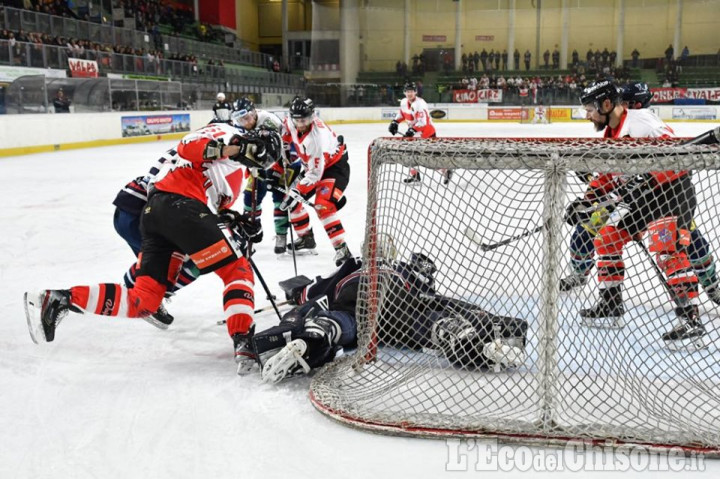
x: 404, y: 152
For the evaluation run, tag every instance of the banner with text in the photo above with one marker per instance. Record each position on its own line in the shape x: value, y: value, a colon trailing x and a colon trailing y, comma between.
x: 83, y: 68
x: 667, y: 95
x: 505, y: 113
x: 154, y: 124
x: 477, y: 96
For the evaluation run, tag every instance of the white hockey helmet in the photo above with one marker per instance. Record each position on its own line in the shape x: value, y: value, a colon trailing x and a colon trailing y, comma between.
x: 221, y: 96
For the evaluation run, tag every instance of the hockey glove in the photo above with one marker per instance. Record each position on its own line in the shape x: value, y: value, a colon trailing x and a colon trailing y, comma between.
x: 393, y: 128
x: 637, y: 188
x: 249, y: 229
x: 213, y: 150
x: 291, y: 199
x: 410, y: 133
x: 578, y: 212
x: 272, y: 177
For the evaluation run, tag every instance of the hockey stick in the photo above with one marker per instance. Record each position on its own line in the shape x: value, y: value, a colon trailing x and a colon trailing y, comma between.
x: 258, y: 311
x: 476, y: 238
x: 297, y: 197
x: 710, y: 137
x: 270, y: 296
x: 290, y: 225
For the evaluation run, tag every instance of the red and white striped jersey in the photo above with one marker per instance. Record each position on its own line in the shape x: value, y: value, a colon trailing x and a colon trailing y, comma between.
x: 318, y: 149
x: 217, y: 183
x: 417, y: 115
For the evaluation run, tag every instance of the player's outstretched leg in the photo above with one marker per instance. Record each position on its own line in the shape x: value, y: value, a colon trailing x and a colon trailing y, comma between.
x: 689, y: 333
x: 44, y: 310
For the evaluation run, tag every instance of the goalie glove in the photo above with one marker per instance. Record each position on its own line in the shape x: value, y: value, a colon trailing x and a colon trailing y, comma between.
x: 410, y: 133
x: 578, y: 211
x: 393, y: 128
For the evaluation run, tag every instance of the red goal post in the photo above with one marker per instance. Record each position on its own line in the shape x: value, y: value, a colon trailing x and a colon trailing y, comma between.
x: 575, y: 383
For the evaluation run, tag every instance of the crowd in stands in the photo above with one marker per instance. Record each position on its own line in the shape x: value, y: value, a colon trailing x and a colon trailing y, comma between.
x: 88, y: 50
x: 148, y: 16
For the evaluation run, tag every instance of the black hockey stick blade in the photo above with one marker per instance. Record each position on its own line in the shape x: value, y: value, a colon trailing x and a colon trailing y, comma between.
x: 475, y: 237
x: 710, y: 137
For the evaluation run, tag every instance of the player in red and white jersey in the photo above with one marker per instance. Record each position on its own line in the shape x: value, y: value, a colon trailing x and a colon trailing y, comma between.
x: 660, y: 202
x: 415, y: 112
x: 178, y: 221
x: 325, y: 174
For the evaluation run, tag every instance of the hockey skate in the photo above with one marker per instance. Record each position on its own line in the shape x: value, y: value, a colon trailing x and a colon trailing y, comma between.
x: 245, y: 356
x: 713, y: 293
x: 572, y: 281
x: 413, y: 179
x: 44, y: 311
x: 688, y: 334
x: 342, y: 254
x: 607, y: 313
x: 304, y: 245
x: 161, y: 318
x: 280, y: 244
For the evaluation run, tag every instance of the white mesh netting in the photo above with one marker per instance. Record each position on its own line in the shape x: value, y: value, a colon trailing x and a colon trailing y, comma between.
x: 576, y: 382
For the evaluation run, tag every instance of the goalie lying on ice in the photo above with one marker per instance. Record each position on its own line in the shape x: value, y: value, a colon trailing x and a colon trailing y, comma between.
x: 412, y: 316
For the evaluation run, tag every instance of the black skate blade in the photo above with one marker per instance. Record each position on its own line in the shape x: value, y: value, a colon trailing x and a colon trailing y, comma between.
x: 156, y: 323
x: 688, y: 345
x: 303, y: 252
x: 33, y: 321
x: 610, y: 322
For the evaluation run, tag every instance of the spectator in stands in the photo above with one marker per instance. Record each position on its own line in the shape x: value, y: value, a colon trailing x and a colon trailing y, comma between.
x: 613, y: 57
x: 556, y: 58
x: 589, y: 55
x: 546, y: 59
x: 497, y: 60
x: 575, y: 57
x: 684, y: 55
x: 505, y: 60
x: 61, y: 104
x: 635, y: 56
x: 483, y: 59
x: 527, y: 58
x: 516, y: 58
x: 669, y: 53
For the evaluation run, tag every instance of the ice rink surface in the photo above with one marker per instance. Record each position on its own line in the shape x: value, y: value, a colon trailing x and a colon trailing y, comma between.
x: 118, y: 398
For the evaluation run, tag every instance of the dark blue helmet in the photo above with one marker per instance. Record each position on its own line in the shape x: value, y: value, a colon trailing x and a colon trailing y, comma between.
x: 243, y: 105
x: 596, y: 93
x: 637, y: 95
x: 410, y: 86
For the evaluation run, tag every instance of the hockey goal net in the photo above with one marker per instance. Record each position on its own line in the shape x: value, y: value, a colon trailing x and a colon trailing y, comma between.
x: 535, y: 114
x: 616, y: 386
